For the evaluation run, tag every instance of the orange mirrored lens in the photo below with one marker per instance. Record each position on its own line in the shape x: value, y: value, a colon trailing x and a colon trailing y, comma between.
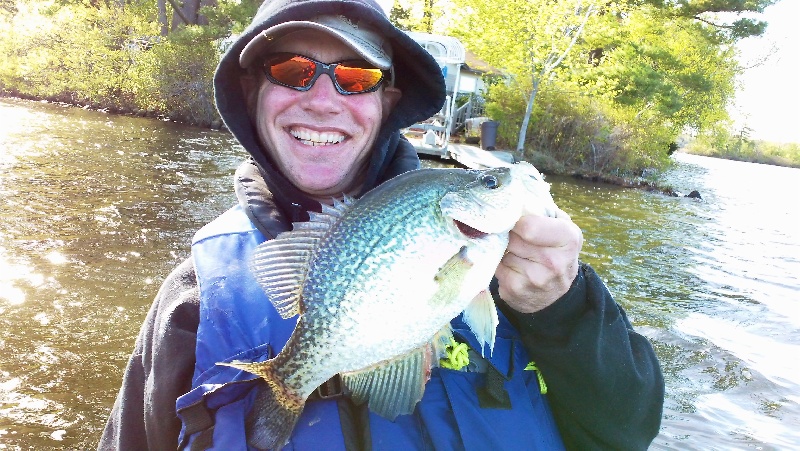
x: 357, y: 79
x: 296, y: 71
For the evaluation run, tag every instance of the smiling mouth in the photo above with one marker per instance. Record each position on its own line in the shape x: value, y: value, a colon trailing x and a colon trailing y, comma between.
x: 313, y: 138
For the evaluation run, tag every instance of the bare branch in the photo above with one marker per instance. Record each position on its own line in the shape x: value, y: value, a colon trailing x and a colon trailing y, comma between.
x: 697, y: 17
x: 178, y: 11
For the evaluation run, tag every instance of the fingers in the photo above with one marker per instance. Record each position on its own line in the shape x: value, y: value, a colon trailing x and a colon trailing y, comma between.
x: 541, y: 261
x: 544, y: 269
x: 539, y: 231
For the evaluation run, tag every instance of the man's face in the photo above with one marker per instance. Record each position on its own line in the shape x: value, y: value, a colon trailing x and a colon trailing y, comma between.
x: 319, y: 139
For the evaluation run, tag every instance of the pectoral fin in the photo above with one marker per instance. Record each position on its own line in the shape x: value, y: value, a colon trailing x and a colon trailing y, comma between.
x: 451, y: 276
x: 481, y: 317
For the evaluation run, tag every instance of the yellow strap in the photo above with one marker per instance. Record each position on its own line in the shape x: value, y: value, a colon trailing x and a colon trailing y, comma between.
x: 456, y: 356
x: 542, y: 386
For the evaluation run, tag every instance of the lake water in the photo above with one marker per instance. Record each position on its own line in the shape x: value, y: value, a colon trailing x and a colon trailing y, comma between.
x: 96, y: 209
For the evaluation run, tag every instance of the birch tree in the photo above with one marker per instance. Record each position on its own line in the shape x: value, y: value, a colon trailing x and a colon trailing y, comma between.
x: 528, y: 38
x: 542, y: 66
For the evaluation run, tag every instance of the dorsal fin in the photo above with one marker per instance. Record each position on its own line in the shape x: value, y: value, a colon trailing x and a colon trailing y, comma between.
x: 280, y: 265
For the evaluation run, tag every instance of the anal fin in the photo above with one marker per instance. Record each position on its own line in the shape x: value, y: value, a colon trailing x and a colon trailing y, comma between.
x: 392, y: 388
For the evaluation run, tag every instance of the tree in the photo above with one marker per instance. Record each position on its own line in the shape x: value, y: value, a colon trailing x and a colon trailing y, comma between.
x: 544, y: 34
x: 651, y: 68
x: 415, y: 15
x: 681, y: 69
x: 400, y: 16
x: 186, y: 12
x: 714, y: 12
x: 550, y: 61
x: 427, y: 16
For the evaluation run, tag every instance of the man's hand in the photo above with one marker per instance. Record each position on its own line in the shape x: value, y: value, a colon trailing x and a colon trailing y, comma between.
x: 540, y: 263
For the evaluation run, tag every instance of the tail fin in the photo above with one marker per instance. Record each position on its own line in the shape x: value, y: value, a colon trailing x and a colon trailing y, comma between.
x: 275, y: 410
x: 272, y: 419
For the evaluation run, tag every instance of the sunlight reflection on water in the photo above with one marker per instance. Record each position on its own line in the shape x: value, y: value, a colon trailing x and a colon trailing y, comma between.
x: 95, y: 211
x: 748, y: 260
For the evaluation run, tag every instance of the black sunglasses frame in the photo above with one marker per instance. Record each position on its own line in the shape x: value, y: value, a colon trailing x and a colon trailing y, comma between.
x: 319, y: 69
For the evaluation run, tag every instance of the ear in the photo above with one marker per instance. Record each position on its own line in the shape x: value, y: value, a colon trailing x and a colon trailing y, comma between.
x: 391, y: 96
x: 250, y: 86
x: 248, y: 83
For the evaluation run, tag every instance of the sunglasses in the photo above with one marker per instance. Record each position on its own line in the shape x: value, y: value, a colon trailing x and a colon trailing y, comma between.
x: 301, y: 72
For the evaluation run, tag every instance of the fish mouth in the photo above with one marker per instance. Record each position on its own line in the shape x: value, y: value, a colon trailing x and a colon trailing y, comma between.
x: 469, y: 231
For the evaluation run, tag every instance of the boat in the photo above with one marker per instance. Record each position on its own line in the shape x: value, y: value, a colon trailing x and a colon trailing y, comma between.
x: 463, y: 109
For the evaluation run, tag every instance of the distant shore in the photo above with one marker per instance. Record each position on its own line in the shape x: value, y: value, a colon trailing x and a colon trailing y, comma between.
x: 751, y: 151
x: 787, y: 155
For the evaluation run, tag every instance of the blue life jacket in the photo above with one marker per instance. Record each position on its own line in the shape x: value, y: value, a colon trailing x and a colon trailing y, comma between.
x: 237, y: 321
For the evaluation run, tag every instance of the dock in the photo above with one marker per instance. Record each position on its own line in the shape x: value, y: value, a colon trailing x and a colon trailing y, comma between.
x: 471, y: 157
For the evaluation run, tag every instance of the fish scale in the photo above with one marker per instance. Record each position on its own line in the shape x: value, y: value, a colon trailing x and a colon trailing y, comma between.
x: 376, y: 282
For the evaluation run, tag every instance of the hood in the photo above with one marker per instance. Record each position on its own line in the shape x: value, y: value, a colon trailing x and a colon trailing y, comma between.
x: 417, y: 75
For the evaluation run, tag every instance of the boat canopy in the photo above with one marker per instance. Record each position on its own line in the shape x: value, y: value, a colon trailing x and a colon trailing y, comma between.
x: 445, y: 49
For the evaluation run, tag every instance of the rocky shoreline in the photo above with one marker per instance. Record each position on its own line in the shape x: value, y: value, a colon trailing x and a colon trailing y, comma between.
x: 215, y: 124
x: 637, y: 183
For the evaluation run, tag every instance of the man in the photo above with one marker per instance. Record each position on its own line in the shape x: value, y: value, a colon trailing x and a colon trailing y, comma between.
x: 317, y: 91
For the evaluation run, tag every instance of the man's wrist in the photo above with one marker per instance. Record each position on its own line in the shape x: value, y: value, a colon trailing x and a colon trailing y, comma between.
x: 550, y: 319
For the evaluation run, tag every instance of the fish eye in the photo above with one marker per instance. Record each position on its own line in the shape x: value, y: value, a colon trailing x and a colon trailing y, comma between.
x: 490, y: 181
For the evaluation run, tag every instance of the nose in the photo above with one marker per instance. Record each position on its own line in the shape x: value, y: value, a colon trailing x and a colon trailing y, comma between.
x: 323, y: 96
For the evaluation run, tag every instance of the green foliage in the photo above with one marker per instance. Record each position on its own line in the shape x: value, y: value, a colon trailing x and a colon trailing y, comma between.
x: 75, y: 54
x: 174, y: 76
x: 92, y: 54
x: 706, y: 11
x: 546, y: 32
x: 653, y: 61
x: 639, y: 140
x: 573, y: 132
x: 400, y: 16
x: 643, y: 72
x: 415, y: 15
x: 512, y: 34
x: 230, y: 17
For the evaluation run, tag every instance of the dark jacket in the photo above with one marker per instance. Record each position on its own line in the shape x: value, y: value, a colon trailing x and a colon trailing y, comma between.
x: 606, y: 387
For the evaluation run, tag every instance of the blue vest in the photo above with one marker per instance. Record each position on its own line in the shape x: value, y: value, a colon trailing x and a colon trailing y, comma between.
x: 237, y: 321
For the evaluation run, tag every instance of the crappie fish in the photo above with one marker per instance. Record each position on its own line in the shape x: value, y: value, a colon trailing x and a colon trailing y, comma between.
x: 376, y: 282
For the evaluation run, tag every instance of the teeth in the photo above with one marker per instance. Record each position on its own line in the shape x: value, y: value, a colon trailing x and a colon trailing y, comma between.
x: 312, y: 138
